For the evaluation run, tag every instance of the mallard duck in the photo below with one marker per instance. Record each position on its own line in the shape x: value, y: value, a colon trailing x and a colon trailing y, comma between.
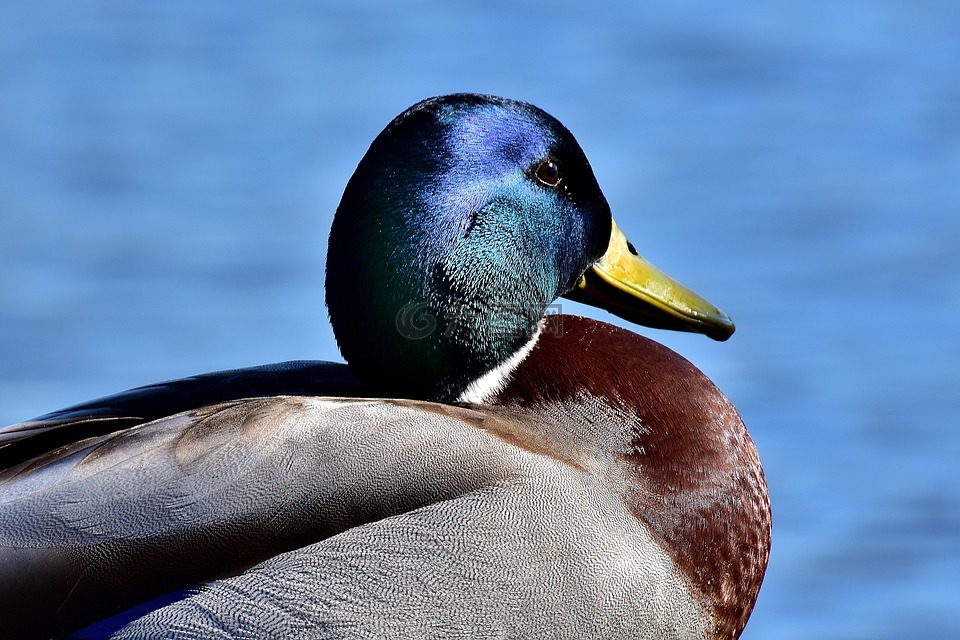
x: 481, y: 468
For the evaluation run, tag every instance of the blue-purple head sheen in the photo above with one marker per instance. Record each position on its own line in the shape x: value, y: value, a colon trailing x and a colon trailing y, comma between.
x: 448, y: 243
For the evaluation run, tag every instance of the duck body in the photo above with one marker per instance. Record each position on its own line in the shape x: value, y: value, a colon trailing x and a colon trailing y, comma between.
x: 595, y: 495
x: 479, y: 470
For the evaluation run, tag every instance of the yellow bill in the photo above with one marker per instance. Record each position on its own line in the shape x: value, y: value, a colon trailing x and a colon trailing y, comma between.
x: 628, y: 286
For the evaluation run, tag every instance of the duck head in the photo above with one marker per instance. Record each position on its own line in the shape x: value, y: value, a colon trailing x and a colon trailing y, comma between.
x: 467, y: 217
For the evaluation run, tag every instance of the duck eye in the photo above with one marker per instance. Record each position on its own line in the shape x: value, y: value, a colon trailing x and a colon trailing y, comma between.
x: 548, y: 172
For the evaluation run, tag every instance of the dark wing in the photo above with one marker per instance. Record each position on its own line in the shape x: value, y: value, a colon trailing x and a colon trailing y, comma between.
x: 109, y: 522
x: 25, y: 440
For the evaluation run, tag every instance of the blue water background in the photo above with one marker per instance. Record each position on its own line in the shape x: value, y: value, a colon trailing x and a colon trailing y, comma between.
x: 168, y: 173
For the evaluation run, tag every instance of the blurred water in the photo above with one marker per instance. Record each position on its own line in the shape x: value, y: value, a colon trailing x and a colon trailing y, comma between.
x: 168, y: 173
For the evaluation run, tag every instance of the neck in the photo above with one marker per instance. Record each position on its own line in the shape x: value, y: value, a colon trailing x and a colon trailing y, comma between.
x: 494, y: 381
